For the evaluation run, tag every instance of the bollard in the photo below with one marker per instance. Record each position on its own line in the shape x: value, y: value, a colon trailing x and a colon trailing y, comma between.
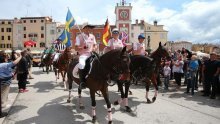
x: 2, y: 114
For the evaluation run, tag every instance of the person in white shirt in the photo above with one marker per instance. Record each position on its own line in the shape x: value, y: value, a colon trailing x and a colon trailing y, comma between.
x: 166, y: 72
x: 114, y: 42
x: 85, y: 44
x: 139, y: 47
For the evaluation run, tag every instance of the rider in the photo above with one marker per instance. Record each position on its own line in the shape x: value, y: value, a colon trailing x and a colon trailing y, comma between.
x: 114, y: 42
x: 139, y: 47
x: 85, y: 44
x: 56, y: 55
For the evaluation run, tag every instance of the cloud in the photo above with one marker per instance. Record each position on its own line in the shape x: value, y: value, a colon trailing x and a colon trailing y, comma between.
x: 197, y: 21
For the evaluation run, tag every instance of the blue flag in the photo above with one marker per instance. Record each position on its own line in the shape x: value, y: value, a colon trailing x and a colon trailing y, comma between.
x: 65, y: 36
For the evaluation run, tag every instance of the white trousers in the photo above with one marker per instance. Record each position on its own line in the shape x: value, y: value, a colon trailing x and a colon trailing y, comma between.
x: 56, y: 56
x: 82, y: 60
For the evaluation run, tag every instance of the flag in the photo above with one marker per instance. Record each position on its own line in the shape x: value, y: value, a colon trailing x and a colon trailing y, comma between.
x: 106, y: 33
x: 123, y: 37
x: 65, y: 36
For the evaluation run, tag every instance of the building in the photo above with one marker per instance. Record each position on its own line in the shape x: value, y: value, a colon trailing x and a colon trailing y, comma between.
x: 153, y: 33
x: 123, y: 18
x: 34, y: 28
x: 6, y: 34
x: 51, y: 33
x: 206, y: 48
x: 178, y: 45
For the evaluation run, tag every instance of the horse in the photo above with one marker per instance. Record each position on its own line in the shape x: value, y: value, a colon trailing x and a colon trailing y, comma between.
x: 113, y: 62
x: 47, y: 61
x: 147, y: 69
x: 61, y: 65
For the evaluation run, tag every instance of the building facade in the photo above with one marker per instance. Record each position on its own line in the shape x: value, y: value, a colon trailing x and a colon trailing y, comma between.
x: 123, y: 18
x: 51, y: 33
x: 178, y: 45
x: 153, y: 34
x: 6, y: 34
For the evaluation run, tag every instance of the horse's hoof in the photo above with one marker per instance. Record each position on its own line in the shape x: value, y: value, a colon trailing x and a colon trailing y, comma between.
x: 109, y: 122
x: 128, y: 109
x: 116, y: 102
x: 148, y: 100
x: 81, y: 107
x: 93, y: 119
x: 154, y: 99
x: 68, y: 100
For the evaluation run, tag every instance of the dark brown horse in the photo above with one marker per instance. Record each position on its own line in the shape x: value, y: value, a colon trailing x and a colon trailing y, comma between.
x: 145, y: 67
x: 61, y: 65
x: 112, y: 62
x: 47, y: 61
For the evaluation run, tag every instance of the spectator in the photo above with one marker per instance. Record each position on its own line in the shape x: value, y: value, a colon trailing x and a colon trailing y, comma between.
x: 210, y: 74
x: 178, y: 70
x: 166, y: 72
x: 6, y: 74
x: 29, y: 58
x: 22, y: 72
x: 192, y: 69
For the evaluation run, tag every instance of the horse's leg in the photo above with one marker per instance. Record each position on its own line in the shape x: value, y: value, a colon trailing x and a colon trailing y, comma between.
x: 154, y: 80
x: 147, y: 89
x: 120, y: 88
x: 92, y: 96
x: 106, y: 97
x: 127, y: 85
x: 58, y: 76
x: 81, y: 106
x: 70, y: 88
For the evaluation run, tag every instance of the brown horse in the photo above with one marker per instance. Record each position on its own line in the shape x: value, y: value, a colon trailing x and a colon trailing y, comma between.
x: 145, y: 67
x: 61, y: 65
x: 112, y: 62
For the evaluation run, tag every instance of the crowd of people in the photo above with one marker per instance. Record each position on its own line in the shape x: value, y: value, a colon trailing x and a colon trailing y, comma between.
x: 16, y: 65
x: 185, y: 64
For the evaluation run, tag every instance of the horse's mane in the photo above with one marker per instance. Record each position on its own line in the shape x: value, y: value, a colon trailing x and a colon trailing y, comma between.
x: 99, y: 71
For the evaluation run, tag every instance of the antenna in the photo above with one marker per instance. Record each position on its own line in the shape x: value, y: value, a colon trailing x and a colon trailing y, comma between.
x: 27, y: 13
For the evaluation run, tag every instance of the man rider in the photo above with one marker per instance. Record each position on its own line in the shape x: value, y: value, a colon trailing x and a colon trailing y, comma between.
x: 85, y: 44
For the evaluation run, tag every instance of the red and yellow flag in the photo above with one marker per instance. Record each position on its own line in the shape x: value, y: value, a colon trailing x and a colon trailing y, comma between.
x: 106, y: 33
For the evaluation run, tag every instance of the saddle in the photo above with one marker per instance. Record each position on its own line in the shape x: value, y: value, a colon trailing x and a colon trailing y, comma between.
x: 88, y: 70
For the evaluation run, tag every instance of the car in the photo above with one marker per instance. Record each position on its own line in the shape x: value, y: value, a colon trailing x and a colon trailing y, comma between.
x: 36, y: 61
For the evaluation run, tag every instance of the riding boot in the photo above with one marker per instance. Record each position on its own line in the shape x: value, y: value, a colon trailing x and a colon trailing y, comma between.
x: 82, y: 79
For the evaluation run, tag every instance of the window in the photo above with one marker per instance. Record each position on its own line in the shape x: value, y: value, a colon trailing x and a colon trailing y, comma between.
x: 8, y: 29
x: 24, y: 21
x: 35, y: 35
x: 3, y: 38
x: 35, y: 21
x: 148, y: 28
x: 42, y: 21
x: 2, y: 29
x: 97, y: 35
x: 52, y: 32
x: 8, y: 45
x: 9, y: 22
x: 24, y: 28
x: 31, y: 21
x: 24, y: 35
x: 42, y: 28
x: 30, y: 35
x: 42, y: 44
x: 3, y: 22
x: 132, y: 27
x: 59, y: 30
x: 9, y: 37
x: 42, y: 35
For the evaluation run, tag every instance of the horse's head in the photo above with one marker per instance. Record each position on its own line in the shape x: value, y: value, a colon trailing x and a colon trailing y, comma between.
x: 161, y: 52
x: 117, y: 60
x: 67, y: 54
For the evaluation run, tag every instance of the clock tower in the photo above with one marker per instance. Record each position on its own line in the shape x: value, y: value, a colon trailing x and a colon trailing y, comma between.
x: 123, y: 17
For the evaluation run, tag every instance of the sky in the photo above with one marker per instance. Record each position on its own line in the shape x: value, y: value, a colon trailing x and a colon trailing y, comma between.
x: 197, y: 21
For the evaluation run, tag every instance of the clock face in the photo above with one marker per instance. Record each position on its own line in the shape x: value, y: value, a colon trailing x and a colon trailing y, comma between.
x: 124, y: 14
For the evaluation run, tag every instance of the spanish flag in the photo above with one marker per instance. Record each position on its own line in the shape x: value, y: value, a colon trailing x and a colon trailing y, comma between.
x: 106, y: 33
